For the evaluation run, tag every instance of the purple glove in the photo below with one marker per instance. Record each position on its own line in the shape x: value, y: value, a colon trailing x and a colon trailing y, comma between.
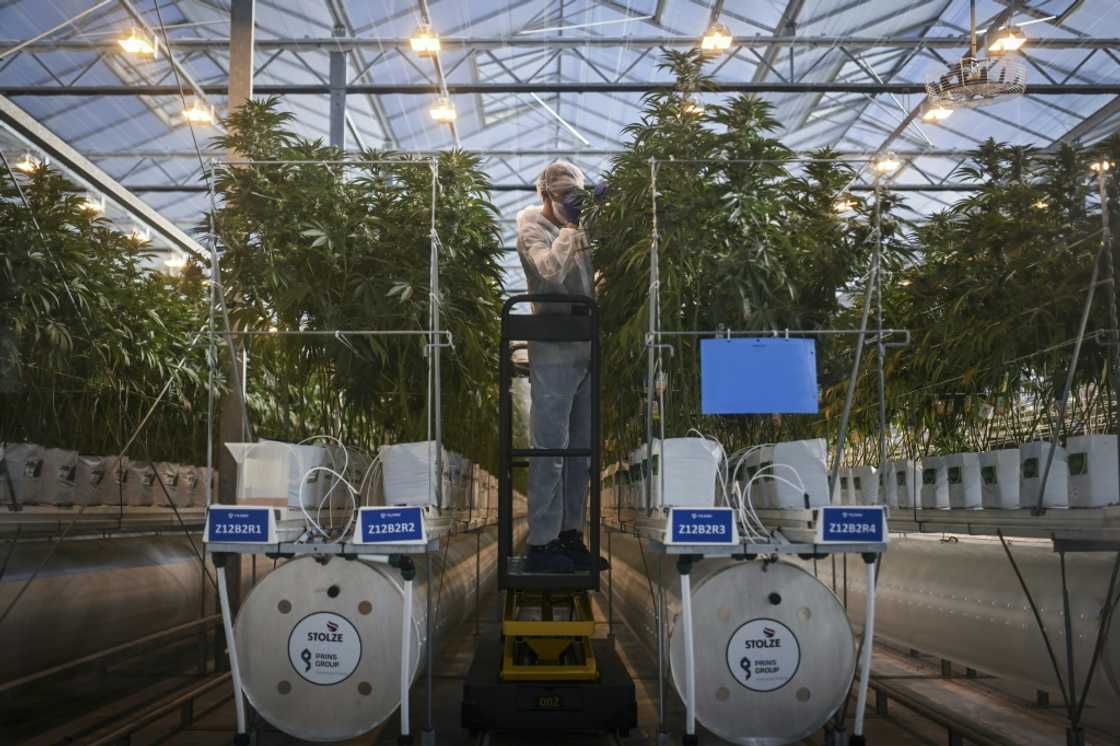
x: 573, y: 206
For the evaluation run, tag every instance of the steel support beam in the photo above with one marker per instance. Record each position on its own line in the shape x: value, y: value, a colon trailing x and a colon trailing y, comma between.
x: 242, y: 25
x: 45, y: 141
x: 328, y: 43
x: 533, y: 152
x: 322, y: 89
x: 1090, y: 123
x: 197, y: 188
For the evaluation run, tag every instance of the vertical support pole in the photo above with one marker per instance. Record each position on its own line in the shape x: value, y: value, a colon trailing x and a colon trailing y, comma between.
x: 684, y: 567
x: 610, y: 587
x: 868, y: 644
x: 428, y: 737
x: 662, y: 730
x: 653, y: 338
x: 408, y: 574
x: 1074, y: 728
x: 882, y: 348
x: 232, y: 426
x: 1110, y: 294
x: 338, y: 95
x: 477, y: 580
x: 435, y: 339
x: 242, y: 736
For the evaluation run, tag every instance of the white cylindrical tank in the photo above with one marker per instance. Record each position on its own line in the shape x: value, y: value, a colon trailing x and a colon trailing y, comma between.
x: 999, y: 477
x: 319, y: 643
x: 774, y: 652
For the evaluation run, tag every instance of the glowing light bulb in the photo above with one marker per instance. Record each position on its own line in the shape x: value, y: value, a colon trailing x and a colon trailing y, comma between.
x: 140, y: 235
x: 138, y: 44
x: 175, y: 262
x: 443, y: 110
x: 28, y: 163
x: 843, y: 205
x: 717, y: 39
x: 93, y: 205
x: 1008, y: 40
x: 1100, y: 166
x: 1041, y: 204
x: 425, y: 43
x: 692, y: 107
x: 937, y: 113
x: 199, y: 114
x: 886, y: 163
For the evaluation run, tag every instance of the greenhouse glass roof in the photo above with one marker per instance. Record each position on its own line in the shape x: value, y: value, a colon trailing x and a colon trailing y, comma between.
x: 535, y: 79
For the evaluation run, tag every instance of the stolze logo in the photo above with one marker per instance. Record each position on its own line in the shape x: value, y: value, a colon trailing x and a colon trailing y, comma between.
x: 331, y: 635
x: 769, y: 640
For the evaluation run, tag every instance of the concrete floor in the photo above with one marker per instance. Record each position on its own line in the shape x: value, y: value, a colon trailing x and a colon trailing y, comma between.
x: 971, y: 700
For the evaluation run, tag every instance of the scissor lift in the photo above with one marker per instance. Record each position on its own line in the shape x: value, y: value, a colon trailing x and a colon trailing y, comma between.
x: 546, y: 672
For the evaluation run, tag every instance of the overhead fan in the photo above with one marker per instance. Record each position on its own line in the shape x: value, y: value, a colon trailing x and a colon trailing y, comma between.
x: 978, y: 81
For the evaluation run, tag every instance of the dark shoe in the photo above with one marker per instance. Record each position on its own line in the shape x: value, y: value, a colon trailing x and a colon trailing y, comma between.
x: 549, y: 558
x: 572, y: 542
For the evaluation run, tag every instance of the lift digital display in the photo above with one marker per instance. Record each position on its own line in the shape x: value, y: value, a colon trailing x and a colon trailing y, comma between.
x: 758, y: 375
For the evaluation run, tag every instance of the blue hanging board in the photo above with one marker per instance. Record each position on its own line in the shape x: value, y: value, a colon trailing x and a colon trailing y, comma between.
x: 758, y: 375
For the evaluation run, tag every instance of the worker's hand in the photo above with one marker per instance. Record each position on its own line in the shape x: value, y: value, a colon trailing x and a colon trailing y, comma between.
x: 573, y: 206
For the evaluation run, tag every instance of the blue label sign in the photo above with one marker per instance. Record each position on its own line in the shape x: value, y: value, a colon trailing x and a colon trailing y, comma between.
x: 390, y: 525
x: 240, y: 525
x: 842, y: 524
x: 702, y: 526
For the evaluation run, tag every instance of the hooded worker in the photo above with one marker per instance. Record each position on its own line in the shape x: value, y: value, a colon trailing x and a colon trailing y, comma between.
x: 557, y: 260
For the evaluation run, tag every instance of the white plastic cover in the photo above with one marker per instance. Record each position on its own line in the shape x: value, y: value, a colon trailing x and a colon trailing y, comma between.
x: 963, y: 474
x: 999, y: 479
x: 1092, y: 471
x: 1032, y: 460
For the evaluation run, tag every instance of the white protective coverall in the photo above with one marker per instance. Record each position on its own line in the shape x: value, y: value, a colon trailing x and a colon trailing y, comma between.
x: 557, y: 260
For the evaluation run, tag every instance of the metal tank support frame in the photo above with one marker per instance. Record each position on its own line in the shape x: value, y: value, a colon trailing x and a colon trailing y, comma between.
x: 437, y: 339
x: 655, y: 348
x: 687, y: 558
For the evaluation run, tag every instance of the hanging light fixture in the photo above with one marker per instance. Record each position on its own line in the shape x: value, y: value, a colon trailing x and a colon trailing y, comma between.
x: 93, y: 204
x: 198, y: 113
x: 139, y: 44
x: 885, y: 163
x: 28, y: 163
x: 443, y: 110
x: 176, y: 262
x: 425, y: 42
x: 843, y: 204
x: 936, y: 111
x: 1101, y: 165
x: 717, y: 39
x: 1041, y: 205
x: 140, y: 235
x: 1007, y: 40
x: 692, y: 107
